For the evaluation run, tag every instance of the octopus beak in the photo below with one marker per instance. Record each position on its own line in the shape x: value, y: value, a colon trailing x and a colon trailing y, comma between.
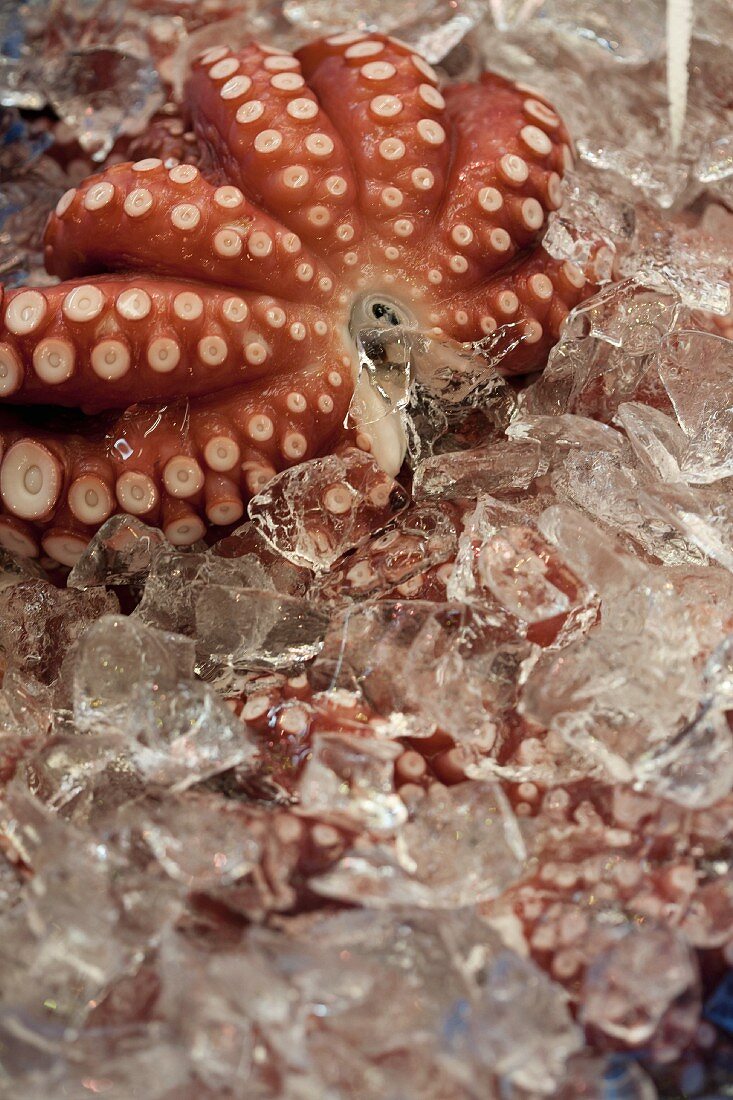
x: 379, y: 328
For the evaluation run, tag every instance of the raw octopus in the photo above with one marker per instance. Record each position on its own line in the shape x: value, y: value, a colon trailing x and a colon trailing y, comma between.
x: 204, y: 328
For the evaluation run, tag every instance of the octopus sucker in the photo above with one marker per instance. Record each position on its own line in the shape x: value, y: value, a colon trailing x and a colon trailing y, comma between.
x: 204, y: 325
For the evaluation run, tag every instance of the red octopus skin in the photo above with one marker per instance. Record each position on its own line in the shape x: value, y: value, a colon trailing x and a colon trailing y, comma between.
x: 205, y: 306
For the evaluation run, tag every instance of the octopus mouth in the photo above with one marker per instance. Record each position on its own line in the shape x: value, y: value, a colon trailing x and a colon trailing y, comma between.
x: 381, y: 375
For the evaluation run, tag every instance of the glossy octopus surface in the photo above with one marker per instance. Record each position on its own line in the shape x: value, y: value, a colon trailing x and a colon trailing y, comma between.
x: 202, y: 330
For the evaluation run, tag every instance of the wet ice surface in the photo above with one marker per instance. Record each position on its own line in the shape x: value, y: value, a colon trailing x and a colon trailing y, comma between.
x: 413, y: 789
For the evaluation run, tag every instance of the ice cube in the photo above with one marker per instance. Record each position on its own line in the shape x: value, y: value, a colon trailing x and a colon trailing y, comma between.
x: 349, y: 779
x: 121, y: 552
x: 421, y: 538
x: 427, y: 665
x: 248, y: 628
x: 627, y: 994
x: 605, y: 352
x: 697, y: 371
x: 460, y: 847
x: 317, y: 511
x: 177, y: 578
x: 40, y: 623
x: 100, y: 92
x: 503, y: 467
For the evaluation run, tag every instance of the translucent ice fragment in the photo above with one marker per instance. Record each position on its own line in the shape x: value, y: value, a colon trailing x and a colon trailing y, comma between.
x: 202, y: 845
x: 433, y: 665
x: 695, y: 768
x: 668, y: 255
x: 627, y: 993
x: 460, y: 847
x: 626, y: 36
x: 503, y: 467
x: 100, y: 92
x: 610, y: 488
x: 248, y: 628
x: 566, y: 432
x: 20, y: 26
x: 697, y: 371
x: 703, y: 516
x: 432, y: 27
x: 605, y: 352
x: 121, y: 552
x: 659, y: 181
x: 24, y: 205
x: 630, y: 684
x: 14, y: 570
x: 177, y: 578
x: 451, y: 382
x: 715, y: 162
x: 39, y: 623
x: 135, y: 685
x: 513, y: 567
x: 658, y: 441
x: 589, y: 218
x: 118, y: 659
x: 422, y: 537
x: 73, y: 937
x: 350, y: 779
x: 317, y: 511
x: 432, y: 384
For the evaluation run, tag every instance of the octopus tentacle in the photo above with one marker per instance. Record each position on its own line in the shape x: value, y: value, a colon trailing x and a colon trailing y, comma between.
x: 147, y: 217
x: 92, y: 345
x: 269, y: 132
x: 521, y: 309
x: 384, y: 102
x: 204, y: 458
x: 510, y: 154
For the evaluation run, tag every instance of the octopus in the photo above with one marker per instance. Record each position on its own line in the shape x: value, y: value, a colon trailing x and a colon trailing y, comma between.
x: 202, y: 336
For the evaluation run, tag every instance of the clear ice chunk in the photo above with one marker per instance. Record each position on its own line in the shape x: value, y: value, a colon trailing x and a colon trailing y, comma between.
x: 605, y: 352
x: 349, y: 780
x: 507, y: 466
x: 121, y: 552
x: 697, y: 371
x: 100, y: 92
x: 177, y: 578
x: 135, y: 685
x: 627, y: 993
x: 24, y: 205
x: 461, y: 846
x: 21, y: 24
x: 427, y: 666
x: 15, y: 570
x: 588, y: 219
x: 522, y: 1028
x: 248, y: 628
x: 620, y: 34
x: 436, y: 385
x: 422, y: 537
x: 658, y: 441
x: 431, y: 27
x: 40, y: 623
x: 317, y: 511
x: 630, y: 684
x: 665, y: 255
x: 203, y: 846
